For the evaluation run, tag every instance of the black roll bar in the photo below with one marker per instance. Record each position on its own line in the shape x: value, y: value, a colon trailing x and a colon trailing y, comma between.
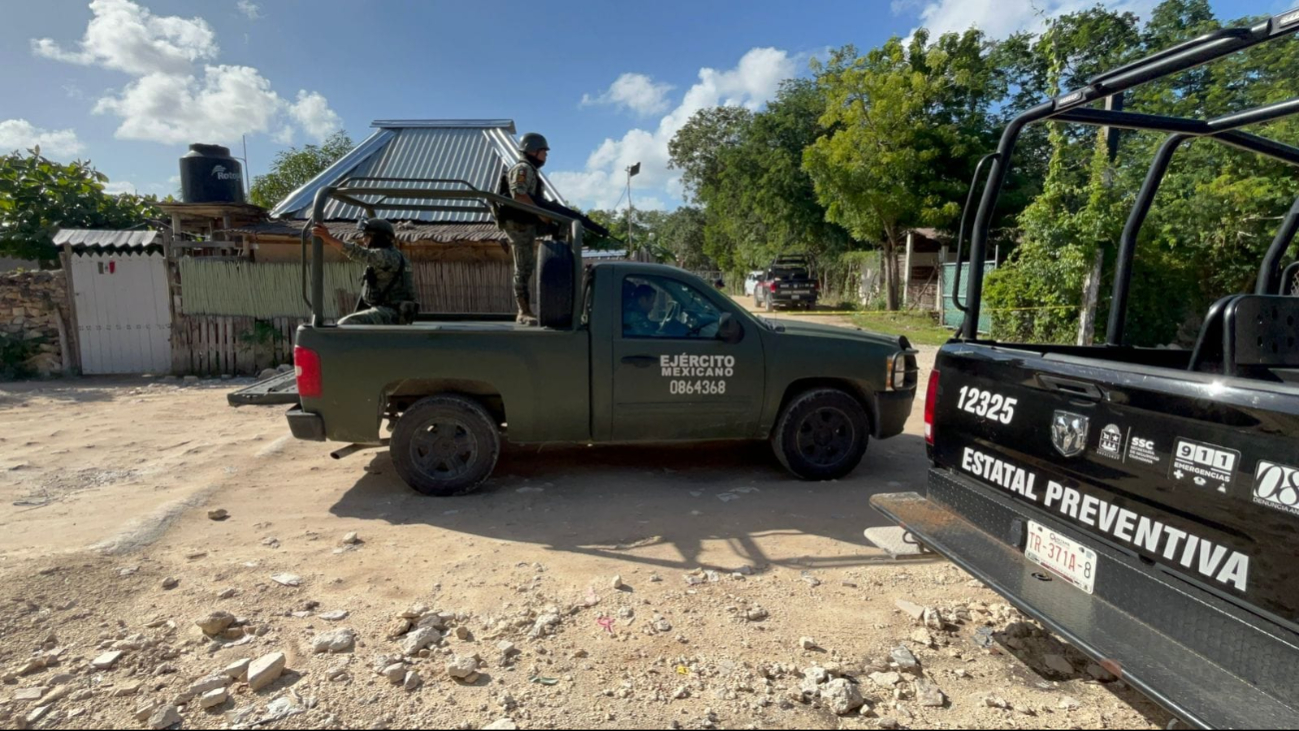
x: 1269, y: 272
x: 1069, y: 108
x: 1128, y: 242
x: 960, y: 233
x: 347, y: 192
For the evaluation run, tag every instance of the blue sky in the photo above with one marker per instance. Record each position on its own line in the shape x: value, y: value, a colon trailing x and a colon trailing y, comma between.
x: 129, y: 83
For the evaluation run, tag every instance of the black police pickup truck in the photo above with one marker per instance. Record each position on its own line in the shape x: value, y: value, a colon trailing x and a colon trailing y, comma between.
x: 789, y: 283
x: 1141, y: 503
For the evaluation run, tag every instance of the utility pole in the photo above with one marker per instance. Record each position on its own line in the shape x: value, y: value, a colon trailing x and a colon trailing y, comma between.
x: 632, y: 172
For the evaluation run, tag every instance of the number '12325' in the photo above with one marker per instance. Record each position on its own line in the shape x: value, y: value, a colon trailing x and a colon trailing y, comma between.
x: 988, y: 405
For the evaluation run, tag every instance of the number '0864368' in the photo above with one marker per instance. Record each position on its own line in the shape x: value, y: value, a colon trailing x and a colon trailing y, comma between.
x: 988, y: 405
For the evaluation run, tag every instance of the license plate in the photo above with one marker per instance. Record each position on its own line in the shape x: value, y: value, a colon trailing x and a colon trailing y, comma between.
x: 1067, y: 559
x: 798, y: 296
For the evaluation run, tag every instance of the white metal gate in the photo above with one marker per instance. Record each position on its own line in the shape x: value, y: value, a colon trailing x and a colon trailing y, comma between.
x: 123, y: 321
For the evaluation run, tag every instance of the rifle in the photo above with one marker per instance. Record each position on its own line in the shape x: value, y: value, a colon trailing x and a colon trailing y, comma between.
x: 587, y: 223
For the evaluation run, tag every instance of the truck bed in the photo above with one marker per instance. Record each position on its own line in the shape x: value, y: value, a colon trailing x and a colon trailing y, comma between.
x: 1142, y: 510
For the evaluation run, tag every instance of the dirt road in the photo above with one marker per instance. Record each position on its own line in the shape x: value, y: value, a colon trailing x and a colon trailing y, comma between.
x: 727, y: 566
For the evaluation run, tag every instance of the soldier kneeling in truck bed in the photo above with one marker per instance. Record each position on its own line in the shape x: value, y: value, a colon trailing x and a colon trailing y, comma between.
x: 387, y: 287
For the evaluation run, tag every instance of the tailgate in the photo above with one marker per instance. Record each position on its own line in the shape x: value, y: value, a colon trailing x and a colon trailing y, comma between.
x: 282, y: 389
x: 1174, y: 467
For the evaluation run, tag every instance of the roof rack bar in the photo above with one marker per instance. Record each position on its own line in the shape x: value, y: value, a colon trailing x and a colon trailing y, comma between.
x: 1134, y: 120
x: 1179, y: 58
x: 1217, y: 35
x: 1263, y: 146
x: 1209, y: 48
x: 1257, y: 115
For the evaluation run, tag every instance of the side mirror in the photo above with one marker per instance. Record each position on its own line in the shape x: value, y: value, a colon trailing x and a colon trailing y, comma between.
x: 729, y: 330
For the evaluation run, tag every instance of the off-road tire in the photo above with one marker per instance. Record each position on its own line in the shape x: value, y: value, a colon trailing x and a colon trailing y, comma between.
x: 429, y: 463
x: 821, y: 434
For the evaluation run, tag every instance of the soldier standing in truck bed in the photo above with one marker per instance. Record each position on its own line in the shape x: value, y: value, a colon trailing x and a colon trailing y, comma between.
x: 522, y: 182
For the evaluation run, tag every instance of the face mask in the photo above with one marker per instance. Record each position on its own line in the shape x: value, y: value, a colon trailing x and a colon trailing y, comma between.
x: 536, y: 163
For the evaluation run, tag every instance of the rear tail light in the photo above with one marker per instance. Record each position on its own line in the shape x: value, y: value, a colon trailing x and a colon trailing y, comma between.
x: 306, y: 364
x: 931, y: 399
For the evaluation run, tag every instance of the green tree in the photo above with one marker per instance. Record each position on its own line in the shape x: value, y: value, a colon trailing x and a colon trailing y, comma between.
x: 38, y: 196
x: 682, y: 233
x: 906, y: 122
x: 294, y: 167
x: 768, y: 193
x: 695, y: 148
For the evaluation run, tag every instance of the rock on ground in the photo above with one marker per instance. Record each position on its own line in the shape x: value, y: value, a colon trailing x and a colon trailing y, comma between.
x: 164, y: 717
x: 215, y: 623
x: 841, y: 696
x: 341, y: 640
x: 419, y: 639
x: 291, y: 580
x: 928, y: 694
x: 106, y: 660
x: 265, y: 670
x: 463, y: 667
x: 213, y: 698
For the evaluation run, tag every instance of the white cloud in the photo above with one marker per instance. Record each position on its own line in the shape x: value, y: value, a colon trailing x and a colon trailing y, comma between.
x: 1000, y: 18
x: 636, y: 92
x: 313, y: 114
x: 226, y: 102
x: 176, y: 95
x: 19, y: 134
x: 119, y: 187
x: 249, y: 9
x: 124, y: 36
x: 753, y: 81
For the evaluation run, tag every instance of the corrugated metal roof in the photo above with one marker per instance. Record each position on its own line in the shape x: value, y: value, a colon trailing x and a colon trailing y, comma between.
x: 96, y: 238
x: 476, y: 151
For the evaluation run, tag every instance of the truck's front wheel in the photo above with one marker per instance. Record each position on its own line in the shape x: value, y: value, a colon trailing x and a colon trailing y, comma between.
x: 821, y: 434
x: 445, y: 445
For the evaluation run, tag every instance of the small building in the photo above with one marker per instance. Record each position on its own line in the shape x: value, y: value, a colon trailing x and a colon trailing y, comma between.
x: 927, y: 251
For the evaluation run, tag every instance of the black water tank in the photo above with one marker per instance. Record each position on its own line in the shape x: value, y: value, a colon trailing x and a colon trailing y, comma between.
x: 209, y: 175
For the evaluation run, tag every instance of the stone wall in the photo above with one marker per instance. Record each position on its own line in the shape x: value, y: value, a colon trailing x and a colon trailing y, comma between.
x: 32, y: 323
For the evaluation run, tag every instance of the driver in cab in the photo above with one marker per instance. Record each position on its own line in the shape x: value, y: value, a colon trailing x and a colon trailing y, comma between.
x: 636, y: 310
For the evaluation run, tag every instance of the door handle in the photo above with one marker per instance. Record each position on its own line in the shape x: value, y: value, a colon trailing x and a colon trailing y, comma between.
x: 1070, y: 387
x: 640, y: 361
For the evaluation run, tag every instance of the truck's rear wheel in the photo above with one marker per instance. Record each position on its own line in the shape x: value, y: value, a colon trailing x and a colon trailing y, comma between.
x: 821, y: 434
x: 445, y: 445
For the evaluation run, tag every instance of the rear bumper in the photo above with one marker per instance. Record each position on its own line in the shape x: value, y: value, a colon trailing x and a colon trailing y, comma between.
x: 1208, y: 661
x: 892, y: 408
x: 788, y: 299
x: 305, y: 425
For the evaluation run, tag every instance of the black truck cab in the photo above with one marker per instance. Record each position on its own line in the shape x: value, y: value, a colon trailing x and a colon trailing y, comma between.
x: 1142, y: 503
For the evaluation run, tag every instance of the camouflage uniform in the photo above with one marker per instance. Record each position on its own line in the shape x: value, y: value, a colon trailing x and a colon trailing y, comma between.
x: 523, y: 180
x: 385, y: 263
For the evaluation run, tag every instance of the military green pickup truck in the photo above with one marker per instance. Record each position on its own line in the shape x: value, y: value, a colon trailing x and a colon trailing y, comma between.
x: 625, y: 352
